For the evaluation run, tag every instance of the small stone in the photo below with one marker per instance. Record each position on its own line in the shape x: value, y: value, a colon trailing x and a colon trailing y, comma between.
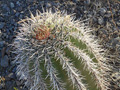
x: 12, y: 76
x: 1, y: 19
x: 17, y: 14
x: 0, y: 54
x: 119, y: 12
x: 14, y: 69
x: 12, y: 21
x: 89, y: 15
x: 108, y: 14
x: 9, y: 85
x: 113, y: 12
x: 87, y: 2
x: 2, y: 43
x: 4, y: 61
x: 8, y: 50
x: 118, y: 23
x: 25, y: 88
x: 30, y: 1
x: 75, y: 1
x: 2, y: 85
x: 21, y: 16
x: 3, y: 51
x: 12, y: 5
x: 18, y: 3
x: 18, y: 83
x: 8, y: 10
x: 19, y: 9
x: 48, y: 5
x: 85, y: 11
x: 100, y: 20
x: 7, y: 78
x: 4, y: 6
x: 94, y: 20
x: 114, y: 42
x: 103, y: 31
x: 102, y: 11
x: 2, y: 25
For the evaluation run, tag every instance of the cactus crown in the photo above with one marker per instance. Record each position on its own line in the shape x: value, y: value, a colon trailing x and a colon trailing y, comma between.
x: 46, y: 36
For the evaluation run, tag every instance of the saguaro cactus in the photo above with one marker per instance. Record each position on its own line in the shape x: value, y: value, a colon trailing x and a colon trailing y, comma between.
x: 44, y: 37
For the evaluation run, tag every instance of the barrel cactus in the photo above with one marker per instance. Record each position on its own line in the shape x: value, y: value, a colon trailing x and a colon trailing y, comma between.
x: 44, y: 38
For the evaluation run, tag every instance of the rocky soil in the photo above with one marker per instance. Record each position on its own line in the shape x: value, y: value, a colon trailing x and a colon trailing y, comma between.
x: 103, y: 16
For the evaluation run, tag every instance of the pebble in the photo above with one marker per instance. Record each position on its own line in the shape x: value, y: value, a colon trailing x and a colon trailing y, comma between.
x: 8, y: 10
x: 75, y: 1
x: 89, y: 15
x: 18, y: 83
x: 102, y: 11
x: 17, y: 14
x: 18, y: 3
x: 21, y: 16
x: 114, y: 42
x: 2, y: 25
x: 100, y: 21
x: 3, y: 51
x: 119, y: 12
x: 12, y: 75
x: 1, y: 19
x: 19, y: 9
x: 12, y: 5
x: 9, y: 85
x: 4, y: 61
x: 1, y: 86
x: 8, y: 51
x: 108, y: 14
x: 12, y: 12
x: 118, y: 23
x: 14, y: 69
x: 4, y: 6
x: 7, y: 78
x: 0, y: 54
x: 2, y: 43
x: 87, y: 2
x: 94, y: 20
x: 48, y: 5
x: 113, y: 12
x: 102, y: 31
x: 30, y: 1
x: 0, y: 33
x: 12, y: 21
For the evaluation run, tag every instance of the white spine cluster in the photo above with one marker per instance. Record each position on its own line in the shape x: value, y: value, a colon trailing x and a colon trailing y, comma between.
x: 44, y: 37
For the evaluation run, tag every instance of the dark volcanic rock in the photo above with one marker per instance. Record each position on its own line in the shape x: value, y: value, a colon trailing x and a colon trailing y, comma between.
x: 9, y: 85
x: 4, y: 61
x: 2, y: 25
x: 2, y: 43
x: 12, y: 75
x: 12, y: 5
x: 102, y: 11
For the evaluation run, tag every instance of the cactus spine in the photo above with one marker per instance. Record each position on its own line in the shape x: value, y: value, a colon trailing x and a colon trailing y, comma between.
x: 46, y: 36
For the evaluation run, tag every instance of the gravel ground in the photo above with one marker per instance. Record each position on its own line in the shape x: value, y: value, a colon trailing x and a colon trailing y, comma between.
x: 101, y: 19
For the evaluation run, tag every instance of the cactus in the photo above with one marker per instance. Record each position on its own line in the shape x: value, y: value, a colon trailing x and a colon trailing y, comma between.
x: 45, y: 38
